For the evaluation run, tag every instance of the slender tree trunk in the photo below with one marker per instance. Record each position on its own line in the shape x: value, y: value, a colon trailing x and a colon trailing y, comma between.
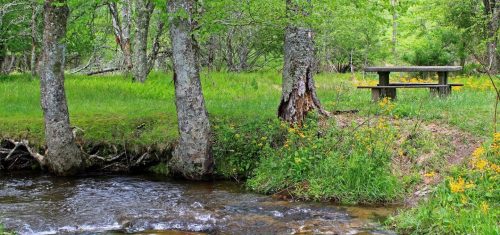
x: 298, y: 92
x: 394, y: 4
x: 156, y: 46
x: 192, y: 156
x: 63, y: 155
x: 3, y: 55
x: 144, y: 9
x: 230, y: 51
x: 34, y: 13
x: 126, y: 24
x: 492, y: 11
x: 121, y: 29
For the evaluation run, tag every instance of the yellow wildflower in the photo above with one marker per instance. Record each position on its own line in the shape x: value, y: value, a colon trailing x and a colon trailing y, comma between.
x: 495, y: 168
x: 478, y: 152
x: 301, y: 135
x: 463, y: 199
x: 496, y: 137
x: 430, y: 174
x: 485, y: 207
x: 481, y: 164
x: 457, y: 186
x: 470, y: 185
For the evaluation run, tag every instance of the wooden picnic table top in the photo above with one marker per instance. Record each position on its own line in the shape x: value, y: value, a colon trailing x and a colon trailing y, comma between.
x: 414, y: 69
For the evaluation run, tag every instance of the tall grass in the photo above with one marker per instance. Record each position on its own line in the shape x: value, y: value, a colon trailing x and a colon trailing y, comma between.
x: 110, y: 108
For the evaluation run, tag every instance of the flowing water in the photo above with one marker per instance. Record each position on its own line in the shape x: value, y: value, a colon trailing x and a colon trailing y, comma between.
x: 150, y: 205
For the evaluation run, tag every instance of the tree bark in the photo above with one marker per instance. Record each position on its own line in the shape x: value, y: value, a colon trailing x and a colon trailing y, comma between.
x: 63, y: 155
x: 192, y: 156
x: 492, y: 11
x: 144, y: 9
x: 156, y: 45
x: 121, y: 29
x: 126, y: 24
x: 34, y: 13
x: 394, y: 4
x: 298, y: 89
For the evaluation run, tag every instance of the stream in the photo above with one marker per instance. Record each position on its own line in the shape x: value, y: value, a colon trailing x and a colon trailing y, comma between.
x: 107, y: 204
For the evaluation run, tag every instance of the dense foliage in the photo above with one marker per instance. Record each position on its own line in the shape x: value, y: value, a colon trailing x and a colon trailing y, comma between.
x: 248, y: 35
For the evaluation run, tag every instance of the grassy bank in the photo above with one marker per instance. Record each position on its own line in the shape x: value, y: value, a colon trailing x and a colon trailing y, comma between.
x: 467, y: 202
x: 385, y: 153
x: 110, y: 108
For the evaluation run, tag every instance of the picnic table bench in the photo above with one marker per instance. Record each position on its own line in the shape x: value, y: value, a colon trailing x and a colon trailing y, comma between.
x: 386, y: 89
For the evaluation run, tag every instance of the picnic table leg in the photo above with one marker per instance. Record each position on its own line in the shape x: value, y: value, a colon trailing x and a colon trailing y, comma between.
x: 383, y: 80
x: 443, y: 80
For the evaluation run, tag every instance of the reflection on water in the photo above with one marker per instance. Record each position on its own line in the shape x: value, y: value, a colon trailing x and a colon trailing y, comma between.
x: 149, y: 205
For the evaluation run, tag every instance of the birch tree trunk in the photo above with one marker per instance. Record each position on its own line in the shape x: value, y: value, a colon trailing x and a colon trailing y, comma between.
x: 298, y: 89
x: 192, y: 156
x: 126, y: 24
x: 121, y: 29
x: 34, y: 13
x: 492, y: 12
x: 63, y: 155
x: 144, y: 9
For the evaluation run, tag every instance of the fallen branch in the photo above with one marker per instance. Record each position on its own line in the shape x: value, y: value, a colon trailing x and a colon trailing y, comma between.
x: 108, y: 70
x: 339, y: 112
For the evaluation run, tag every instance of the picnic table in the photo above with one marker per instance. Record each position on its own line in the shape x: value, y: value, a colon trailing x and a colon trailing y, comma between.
x: 386, y: 89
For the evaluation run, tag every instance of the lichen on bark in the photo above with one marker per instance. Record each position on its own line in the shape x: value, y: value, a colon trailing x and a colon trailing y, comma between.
x: 192, y: 157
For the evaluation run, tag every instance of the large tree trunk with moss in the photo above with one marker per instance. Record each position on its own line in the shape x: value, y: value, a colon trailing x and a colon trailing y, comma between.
x: 192, y: 156
x: 492, y: 12
x: 144, y: 9
x: 298, y: 91
x: 63, y: 155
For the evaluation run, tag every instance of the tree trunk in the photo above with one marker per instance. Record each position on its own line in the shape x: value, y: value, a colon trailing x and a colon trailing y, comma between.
x: 126, y: 24
x: 121, y: 30
x: 156, y: 45
x: 492, y: 11
x: 192, y: 156
x: 63, y: 155
x: 34, y: 13
x: 144, y: 9
x: 394, y: 4
x: 298, y: 89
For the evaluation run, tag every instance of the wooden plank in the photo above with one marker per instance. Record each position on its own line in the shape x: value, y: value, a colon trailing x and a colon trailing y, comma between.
x: 418, y: 84
x: 414, y: 86
x: 443, y: 80
x: 379, y: 93
x: 383, y: 78
x: 414, y: 69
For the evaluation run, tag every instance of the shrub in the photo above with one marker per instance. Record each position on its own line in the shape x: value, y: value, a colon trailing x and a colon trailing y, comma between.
x: 237, y: 147
x: 322, y: 162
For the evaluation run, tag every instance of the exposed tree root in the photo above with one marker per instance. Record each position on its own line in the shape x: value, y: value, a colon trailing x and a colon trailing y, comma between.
x: 18, y: 155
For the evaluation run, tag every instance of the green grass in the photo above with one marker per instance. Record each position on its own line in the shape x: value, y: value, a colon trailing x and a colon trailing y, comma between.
x: 109, y: 108
x: 465, y: 203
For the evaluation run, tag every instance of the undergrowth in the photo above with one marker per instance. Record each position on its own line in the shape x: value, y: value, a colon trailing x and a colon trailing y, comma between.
x: 467, y: 202
x: 322, y: 162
